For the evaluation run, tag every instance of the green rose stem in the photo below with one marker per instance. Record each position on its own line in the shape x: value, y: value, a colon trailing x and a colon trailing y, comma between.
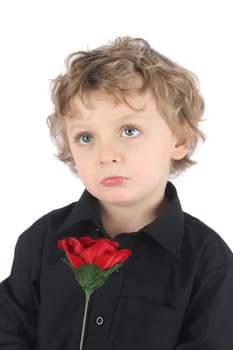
x: 87, y: 295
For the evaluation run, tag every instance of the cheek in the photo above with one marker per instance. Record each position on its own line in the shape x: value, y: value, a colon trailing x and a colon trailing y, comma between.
x: 151, y: 160
x: 80, y: 162
x: 86, y: 170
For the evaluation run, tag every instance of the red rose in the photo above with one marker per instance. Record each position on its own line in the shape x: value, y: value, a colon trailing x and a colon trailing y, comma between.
x: 92, y: 261
x: 101, y: 252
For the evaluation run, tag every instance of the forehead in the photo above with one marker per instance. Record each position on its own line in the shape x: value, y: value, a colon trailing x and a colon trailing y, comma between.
x: 94, y: 101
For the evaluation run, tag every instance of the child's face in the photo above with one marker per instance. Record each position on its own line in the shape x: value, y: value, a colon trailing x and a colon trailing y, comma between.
x: 122, y: 156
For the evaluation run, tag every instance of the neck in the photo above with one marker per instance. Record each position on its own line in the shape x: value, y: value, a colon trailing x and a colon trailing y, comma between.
x: 118, y: 219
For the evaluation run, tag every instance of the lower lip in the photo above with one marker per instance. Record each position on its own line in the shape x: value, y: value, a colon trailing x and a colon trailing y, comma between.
x: 114, y: 181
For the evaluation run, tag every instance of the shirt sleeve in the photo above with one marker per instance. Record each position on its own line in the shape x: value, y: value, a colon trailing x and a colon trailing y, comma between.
x: 19, y: 300
x: 208, y: 320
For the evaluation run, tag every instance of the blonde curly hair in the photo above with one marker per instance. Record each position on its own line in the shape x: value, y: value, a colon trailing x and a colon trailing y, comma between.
x: 112, y: 69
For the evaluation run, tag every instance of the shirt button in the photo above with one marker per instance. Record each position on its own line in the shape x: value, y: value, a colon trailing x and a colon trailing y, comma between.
x: 97, y: 229
x: 99, y: 320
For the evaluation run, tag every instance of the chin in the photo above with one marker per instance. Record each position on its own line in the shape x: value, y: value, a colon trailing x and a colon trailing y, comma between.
x: 114, y: 195
x: 117, y: 199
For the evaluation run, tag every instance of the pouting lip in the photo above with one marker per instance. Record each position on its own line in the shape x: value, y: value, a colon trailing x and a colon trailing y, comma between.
x: 114, y: 178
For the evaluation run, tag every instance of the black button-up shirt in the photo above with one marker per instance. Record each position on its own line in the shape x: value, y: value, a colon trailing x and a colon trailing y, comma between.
x: 174, y: 292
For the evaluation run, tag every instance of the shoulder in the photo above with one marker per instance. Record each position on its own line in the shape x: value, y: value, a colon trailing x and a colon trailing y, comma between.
x: 206, y: 246
x: 36, y: 244
x: 46, y: 225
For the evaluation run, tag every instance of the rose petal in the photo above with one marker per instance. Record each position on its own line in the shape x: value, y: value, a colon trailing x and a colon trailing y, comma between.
x: 75, y: 260
x: 89, y: 241
x: 107, y: 260
x: 100, y: 247
x: 71, y: 245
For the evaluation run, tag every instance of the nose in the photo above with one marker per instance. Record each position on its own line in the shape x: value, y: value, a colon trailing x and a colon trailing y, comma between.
x: 108, y: 154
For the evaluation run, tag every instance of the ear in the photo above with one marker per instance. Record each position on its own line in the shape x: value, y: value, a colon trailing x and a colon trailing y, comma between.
x: 180, y: 149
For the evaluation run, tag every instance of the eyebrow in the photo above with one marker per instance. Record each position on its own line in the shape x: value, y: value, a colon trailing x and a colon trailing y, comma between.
x: 121, y: 118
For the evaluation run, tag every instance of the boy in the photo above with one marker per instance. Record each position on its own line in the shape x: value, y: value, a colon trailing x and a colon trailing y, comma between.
x: 125, y: 118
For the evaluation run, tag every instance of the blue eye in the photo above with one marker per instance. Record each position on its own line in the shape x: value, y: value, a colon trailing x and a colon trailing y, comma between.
x: 130, y: 131
x: 84, y: 139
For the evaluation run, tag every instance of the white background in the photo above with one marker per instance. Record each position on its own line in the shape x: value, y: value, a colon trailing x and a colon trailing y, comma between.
x: 35, y: 38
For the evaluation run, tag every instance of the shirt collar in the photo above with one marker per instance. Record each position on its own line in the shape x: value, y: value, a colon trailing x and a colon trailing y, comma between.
x: 167, y: 229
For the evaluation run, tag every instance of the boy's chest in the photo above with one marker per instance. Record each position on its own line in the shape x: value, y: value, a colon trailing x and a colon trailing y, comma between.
x: 139, y: 306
